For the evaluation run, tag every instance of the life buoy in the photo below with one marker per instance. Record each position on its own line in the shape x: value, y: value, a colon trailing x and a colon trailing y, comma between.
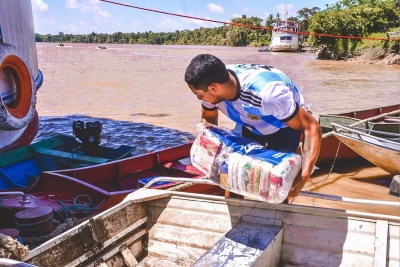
x: 16, y: 114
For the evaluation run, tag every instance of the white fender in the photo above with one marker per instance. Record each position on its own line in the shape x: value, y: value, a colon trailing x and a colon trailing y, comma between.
x: 17, y: 90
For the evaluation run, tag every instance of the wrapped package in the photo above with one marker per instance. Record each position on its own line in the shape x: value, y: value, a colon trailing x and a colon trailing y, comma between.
x: 243, y: 166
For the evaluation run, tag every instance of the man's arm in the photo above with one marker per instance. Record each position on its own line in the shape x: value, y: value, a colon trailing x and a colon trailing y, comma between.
x: 305, y: 122
x: 210, y: 116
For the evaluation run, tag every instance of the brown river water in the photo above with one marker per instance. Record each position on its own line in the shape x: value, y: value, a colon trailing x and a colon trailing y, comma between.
x: 139, y: 94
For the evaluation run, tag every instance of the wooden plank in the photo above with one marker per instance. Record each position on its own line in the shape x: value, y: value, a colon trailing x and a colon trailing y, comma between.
x: 51, y: 142
x: 183, y: 236
x: 129, y: 259
x: 247, y: 244
x: 14, y: 156
x: 381, y: 242
x: 394, y: 245
x: 71, y: 156
x: 115, y: 252
x: 303, y: 256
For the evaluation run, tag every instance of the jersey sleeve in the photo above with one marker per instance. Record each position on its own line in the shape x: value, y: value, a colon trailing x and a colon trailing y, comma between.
x: 208, y: 106
x: 278, y: 100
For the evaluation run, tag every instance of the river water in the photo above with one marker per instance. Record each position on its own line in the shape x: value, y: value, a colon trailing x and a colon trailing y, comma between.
x: 139, y: 94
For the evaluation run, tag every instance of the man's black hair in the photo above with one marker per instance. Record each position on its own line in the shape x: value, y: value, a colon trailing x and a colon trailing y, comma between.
x: 204, y: 70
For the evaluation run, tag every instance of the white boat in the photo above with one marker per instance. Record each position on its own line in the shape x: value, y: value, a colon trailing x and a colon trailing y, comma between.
x: 380, y: 148
x: 285, y: 36
x: 20, y: 76
x: 163, y: 228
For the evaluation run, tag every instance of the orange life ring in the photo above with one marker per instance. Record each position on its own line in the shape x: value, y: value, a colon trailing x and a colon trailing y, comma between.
x: 19, y: 112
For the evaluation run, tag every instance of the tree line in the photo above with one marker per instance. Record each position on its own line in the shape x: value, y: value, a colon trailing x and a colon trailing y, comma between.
x: 345, y: 18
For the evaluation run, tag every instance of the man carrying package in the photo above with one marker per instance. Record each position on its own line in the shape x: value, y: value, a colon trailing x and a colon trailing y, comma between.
x: 263, y: 101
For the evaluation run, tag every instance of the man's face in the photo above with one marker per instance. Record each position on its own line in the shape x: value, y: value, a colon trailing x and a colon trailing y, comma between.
x: 209, y: 96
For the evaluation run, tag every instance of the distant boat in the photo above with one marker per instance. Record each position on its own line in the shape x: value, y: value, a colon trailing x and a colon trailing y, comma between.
x: 20, y: 76
x: 102, y: 47
x: 380, y: 148
x: 285, y: 36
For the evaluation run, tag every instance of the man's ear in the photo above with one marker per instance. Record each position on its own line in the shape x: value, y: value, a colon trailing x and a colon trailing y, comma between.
x: 212, y: 87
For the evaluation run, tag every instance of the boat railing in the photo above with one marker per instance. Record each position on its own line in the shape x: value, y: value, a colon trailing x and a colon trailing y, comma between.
x: 391, y: 141
x: 340, y: 128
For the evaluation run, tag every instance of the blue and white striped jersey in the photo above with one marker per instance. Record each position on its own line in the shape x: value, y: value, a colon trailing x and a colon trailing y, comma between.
x: 266, y: 98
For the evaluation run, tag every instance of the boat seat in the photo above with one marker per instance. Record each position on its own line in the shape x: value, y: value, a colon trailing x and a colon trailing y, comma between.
x: 251, y: 242
x: 177, y: 165
x: 71, y: 156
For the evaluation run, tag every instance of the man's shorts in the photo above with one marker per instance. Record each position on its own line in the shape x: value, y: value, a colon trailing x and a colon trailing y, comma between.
x: 285, y: 140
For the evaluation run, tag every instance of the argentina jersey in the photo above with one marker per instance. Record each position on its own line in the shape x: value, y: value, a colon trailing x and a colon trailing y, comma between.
x: 267, y: 98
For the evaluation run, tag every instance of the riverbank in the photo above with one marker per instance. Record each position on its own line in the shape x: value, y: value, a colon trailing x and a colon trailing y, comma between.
x: 371, y: 55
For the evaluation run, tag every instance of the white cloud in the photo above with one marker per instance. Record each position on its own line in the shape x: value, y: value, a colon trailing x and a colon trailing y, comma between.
x: 71, y: 4
x: 39, y: 6
x: 215, y: 8
x: 89, y: 7
x: 167, y: 24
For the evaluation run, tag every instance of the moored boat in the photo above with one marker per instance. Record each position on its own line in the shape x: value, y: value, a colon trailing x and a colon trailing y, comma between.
x: 132, y: 173
x: 21, y: 167
x: 330, y: 146
x: 160, y: 228
x: 20, y: 76
x: 380, y: 148
x: 285, y: 36
x: 86, y: 191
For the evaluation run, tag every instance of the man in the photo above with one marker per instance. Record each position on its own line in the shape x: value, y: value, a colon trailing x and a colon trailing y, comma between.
x: 260, y: 99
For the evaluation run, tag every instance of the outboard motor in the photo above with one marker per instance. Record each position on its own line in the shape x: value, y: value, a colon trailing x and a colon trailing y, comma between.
x: 90, y: 135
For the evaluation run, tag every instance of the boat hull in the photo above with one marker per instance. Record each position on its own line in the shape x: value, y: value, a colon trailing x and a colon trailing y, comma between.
x: 284, y: 37
x: 331, y: 148
x: 159, y: 228
x: 384, y: 157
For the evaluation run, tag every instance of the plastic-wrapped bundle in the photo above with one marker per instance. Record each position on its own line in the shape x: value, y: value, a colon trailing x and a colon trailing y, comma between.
x: 265, y: 176
x: 243, y: 166
x: 212, y: 146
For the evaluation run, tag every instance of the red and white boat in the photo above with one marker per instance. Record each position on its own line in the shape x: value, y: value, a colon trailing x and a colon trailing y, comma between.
x: 20, y: 76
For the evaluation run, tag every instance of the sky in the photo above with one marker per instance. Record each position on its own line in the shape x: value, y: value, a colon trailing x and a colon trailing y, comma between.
x: 87, y: 16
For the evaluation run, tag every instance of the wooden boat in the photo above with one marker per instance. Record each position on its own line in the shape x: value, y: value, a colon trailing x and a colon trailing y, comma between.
x: 380, y: 151
x: 134, y: 172
x: 331, y: 146
x: 19, y: 168
x: 20, y: 76
x: 104, y: 185
x: 163, y: 228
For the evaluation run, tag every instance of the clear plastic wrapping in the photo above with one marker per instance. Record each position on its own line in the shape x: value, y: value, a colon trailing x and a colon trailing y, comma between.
x: 243, y: 166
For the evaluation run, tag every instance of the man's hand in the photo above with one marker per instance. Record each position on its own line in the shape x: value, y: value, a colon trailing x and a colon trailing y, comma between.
x: 298, y: 184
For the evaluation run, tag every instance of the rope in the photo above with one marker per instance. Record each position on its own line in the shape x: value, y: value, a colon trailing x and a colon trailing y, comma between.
x: 180, y: 187
x: 79, y: 206
x: 249, y: 26
x: 366, y: 120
